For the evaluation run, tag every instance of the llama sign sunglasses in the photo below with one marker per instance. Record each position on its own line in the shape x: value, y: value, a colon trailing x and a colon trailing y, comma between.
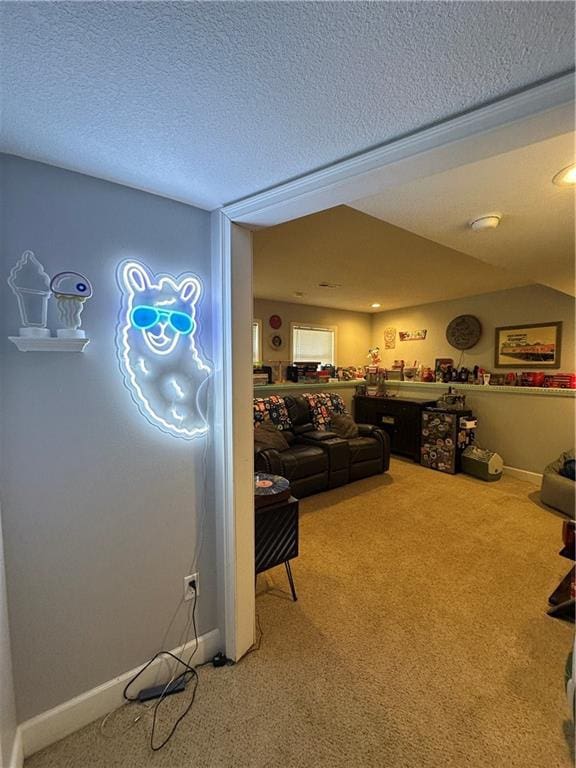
x: 144, y: 317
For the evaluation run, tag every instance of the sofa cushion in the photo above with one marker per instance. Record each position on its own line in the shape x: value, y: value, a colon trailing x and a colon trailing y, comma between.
x: 268, y: 436
x: 303, y: 460
x: 344, y: 426
x: 322, y: 406
x: 272, y: 408
x: 298, y: 411
x: 364, y: 449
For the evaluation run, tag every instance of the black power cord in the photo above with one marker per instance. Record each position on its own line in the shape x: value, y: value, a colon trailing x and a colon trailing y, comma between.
x: 184, y: 677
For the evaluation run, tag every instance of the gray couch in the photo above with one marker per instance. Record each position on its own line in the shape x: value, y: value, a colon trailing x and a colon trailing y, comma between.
x: 558, y: 491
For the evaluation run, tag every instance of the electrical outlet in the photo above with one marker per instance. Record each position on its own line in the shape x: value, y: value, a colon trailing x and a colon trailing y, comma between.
x: 188, y: 590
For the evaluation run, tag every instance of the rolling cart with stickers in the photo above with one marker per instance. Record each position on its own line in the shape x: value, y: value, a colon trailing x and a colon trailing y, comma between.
x: 446, y: 432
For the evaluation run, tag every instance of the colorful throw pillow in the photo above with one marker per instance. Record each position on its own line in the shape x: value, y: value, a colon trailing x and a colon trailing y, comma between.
x: 344, y: 426
x: 272, y: 408
x: 338, y: 404
x: 323, y: 405
x: 269, y: 436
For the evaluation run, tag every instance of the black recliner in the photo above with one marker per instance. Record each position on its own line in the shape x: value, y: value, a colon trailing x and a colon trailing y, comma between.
x: 316, y: 460
x: 350, y: 459
x: 304, y: 465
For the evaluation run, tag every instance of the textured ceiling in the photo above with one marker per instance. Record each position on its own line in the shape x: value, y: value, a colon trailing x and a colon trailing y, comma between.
x: 211, y: 102
x: 535, y: 239
x: 370, y: 261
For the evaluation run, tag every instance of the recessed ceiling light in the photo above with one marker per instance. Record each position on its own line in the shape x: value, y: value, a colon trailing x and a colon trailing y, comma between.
x: 299, y: 294
x: 566, y: 177
x: 376, y: 305
x: 486, y: 222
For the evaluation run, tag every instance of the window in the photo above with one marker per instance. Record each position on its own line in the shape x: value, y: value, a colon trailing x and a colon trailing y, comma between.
x: 311, y: 344
x: 256, y: 341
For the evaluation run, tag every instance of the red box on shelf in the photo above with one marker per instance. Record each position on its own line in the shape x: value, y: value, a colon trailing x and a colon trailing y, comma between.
x: 532, y: 378
x: 560, y: 381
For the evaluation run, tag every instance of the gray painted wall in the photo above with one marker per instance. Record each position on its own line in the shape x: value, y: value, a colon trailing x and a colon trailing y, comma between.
x: 102, y: 511
x: 7, y: 703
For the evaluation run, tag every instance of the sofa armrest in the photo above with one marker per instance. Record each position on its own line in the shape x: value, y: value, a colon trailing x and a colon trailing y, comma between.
x: 370, y: 430
x: 316, y: 436
x: 267, y: 460
x: 367, y: 430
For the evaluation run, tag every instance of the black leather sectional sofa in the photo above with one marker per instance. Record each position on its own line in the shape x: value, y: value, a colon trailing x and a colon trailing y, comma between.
x: 319, y: 459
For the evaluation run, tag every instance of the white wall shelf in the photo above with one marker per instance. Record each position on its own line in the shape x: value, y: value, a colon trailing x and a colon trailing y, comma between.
x: 50, y: 344
x: 395, y: 386
x: 485, y: 390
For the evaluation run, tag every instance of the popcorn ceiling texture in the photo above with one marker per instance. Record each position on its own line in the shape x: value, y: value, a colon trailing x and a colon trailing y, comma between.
x: 211, y: 102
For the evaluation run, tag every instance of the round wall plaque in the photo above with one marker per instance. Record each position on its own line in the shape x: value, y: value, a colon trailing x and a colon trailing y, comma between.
x: 464, y: 332
x: 275, y: 322
x: 276, y: 341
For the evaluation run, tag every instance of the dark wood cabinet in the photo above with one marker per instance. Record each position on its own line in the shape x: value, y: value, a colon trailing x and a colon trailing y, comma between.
x: 400, y: 417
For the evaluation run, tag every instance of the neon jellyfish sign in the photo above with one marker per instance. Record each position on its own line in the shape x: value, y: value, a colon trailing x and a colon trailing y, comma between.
x: 157, y: 350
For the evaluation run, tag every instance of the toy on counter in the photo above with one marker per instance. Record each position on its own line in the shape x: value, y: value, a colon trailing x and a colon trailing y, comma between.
x: 374, y: 355
x: 70, y: 289
x: 427, y: 374
x: 350, y: 374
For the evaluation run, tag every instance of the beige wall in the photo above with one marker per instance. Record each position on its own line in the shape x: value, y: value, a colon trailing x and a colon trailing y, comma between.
x: 530, y: 304
x: 353, y: 334
x: 528, y: 431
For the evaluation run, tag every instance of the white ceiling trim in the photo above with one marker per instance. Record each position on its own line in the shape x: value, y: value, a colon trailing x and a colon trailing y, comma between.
x: 534, y: 113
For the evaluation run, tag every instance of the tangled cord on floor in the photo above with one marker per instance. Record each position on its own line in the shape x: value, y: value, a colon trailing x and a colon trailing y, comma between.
x: 189, y: 674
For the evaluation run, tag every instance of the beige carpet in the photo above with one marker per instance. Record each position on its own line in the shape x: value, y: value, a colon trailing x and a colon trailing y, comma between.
x: 419, y: 639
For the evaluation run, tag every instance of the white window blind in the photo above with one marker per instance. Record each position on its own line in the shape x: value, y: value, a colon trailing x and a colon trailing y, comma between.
x: 311, y: 344
x: 256, y: 357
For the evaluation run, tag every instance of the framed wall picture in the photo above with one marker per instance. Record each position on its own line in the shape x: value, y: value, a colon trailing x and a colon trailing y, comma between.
x: 528, y: 346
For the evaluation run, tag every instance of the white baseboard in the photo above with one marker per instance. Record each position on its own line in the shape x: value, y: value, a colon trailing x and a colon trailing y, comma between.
x: 51, y: 726
x: 523, y: 474
x: 17, y: 756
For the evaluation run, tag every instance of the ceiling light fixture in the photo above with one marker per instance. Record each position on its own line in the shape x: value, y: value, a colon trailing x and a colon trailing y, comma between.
x: 490, y: 221
x: 376, y: 305
x: 566, y: 177
x: 329, y: 285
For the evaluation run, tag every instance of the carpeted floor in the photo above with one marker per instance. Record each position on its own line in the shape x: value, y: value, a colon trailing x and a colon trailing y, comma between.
x: 419, y: 640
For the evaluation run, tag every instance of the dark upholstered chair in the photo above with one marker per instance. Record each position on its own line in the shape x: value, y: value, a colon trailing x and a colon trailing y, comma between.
x: 304, y: 466
x: 351, y: 458
x: 318, y: 459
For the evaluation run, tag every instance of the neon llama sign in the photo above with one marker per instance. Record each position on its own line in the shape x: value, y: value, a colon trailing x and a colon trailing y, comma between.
x: 157, y: 350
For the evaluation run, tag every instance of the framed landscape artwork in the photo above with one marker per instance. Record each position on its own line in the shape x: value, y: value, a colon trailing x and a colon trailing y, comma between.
x: 528, y: 346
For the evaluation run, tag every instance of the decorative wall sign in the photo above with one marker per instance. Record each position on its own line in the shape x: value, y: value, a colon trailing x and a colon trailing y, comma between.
x: 157, y: 348
x: 464, y: 332
x: 412, y: 335
x: 389, y: 338
x: 275, y: 322
x: 31, y: 286
x: 30, y: 283
x: 70, y: 289
x: 528, y: 346
x: 276, y: 341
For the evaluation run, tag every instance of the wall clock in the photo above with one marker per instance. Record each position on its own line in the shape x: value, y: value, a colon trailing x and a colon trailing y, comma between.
x: 275, y: 322
x: 464, y: 332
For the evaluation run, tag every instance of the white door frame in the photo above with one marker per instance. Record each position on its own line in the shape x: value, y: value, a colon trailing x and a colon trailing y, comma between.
x: 526, y: 117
